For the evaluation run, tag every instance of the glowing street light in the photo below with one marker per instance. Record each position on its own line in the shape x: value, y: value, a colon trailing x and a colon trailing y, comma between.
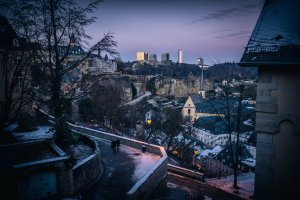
x: 149, y: 121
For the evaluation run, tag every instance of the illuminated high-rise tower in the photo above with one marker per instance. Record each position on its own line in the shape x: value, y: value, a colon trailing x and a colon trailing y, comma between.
x: 179, y: 56
x: 141, y: 56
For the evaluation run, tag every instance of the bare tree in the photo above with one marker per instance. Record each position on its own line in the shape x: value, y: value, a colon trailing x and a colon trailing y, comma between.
x: 172, y: 125
x: 16, y: 80
x: 107, y: 101
x: 233, y: 115
x: 54, y: 25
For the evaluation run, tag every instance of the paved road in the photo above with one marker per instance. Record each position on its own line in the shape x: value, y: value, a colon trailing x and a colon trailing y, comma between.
x: 122, y: 170
x: 116, y: 179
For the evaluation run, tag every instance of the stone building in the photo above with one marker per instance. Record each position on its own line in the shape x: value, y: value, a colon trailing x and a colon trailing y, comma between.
x: 274, y: 48
x: 15, y: 73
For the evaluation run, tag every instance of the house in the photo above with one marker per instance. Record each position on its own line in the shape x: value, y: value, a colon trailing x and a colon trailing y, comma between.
x: 93, y: 63
x: 190, y: 107
x: 274, y: 47
x: 196, y: 106
x: 217, y: 161
x: 15, y: 73
x: 7, y: 36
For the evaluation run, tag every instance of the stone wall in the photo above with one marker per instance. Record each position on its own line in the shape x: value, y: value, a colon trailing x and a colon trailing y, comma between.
x: 178, y: 87
x: 215, y: 168
x: 83, y: 174
x: 278, y: 133
x: 88, y: 171
x: 119, y: 83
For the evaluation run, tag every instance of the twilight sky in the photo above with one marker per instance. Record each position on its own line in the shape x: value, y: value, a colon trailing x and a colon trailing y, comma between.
x: 217, y: 30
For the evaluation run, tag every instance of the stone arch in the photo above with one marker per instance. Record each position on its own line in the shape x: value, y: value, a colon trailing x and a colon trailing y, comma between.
x: 289, y: 118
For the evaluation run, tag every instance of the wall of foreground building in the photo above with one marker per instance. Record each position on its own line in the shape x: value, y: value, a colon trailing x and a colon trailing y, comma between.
x: 278, y: 133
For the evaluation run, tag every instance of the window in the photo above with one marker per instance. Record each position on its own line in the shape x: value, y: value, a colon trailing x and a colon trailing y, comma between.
x: 189, y: 111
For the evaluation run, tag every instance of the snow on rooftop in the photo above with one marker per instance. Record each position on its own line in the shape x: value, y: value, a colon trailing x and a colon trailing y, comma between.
x: 152, y: 102
x: 276, y: 37
x: 279, y: 18
x: 248, y: 122
x: 211, y: 152
x: 249, y: 161
x: 139, y: 98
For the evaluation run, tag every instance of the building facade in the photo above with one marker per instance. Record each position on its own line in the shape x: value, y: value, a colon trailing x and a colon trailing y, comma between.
x: 141, y: 56
x: 180, y: 56
x: 274, y: 48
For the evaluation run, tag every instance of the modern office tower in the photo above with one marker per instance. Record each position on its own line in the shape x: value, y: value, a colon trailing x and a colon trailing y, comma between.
x: 165, y: 57
x: 152, y: 57
x: 141, y: 56
x: 180, y: 56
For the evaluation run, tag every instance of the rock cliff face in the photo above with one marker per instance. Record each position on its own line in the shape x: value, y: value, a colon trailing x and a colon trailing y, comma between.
x: 121, y: 84
x: 182, y: 87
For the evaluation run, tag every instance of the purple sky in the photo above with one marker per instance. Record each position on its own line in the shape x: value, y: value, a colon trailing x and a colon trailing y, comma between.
x: 217, y: 30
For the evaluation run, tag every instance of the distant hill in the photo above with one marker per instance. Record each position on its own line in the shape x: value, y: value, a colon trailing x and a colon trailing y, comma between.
x: 229, y: 71
x: 215, y: 72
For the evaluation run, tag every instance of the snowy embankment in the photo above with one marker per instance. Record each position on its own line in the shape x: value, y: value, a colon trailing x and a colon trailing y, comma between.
x: 41, y: 132
x: 245, y: 183
x: 146, y: 94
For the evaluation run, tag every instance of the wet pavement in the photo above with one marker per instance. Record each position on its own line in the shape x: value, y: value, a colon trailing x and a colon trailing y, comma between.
x: 121, y: 170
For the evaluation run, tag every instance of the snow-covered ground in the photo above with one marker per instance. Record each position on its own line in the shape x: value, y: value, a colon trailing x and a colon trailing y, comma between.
x: 139, y: 98
x: 42, y: 132
x: 245, y: 183
x: 248, y: 122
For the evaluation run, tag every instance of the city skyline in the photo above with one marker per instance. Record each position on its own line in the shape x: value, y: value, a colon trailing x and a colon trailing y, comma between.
x: 218, y: 31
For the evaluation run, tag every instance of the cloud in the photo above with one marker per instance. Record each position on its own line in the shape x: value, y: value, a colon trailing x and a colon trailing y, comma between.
x: 227, y: 13
x: 234, y: 35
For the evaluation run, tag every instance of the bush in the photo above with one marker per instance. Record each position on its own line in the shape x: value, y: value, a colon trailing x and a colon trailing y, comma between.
x: 26, y: 122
